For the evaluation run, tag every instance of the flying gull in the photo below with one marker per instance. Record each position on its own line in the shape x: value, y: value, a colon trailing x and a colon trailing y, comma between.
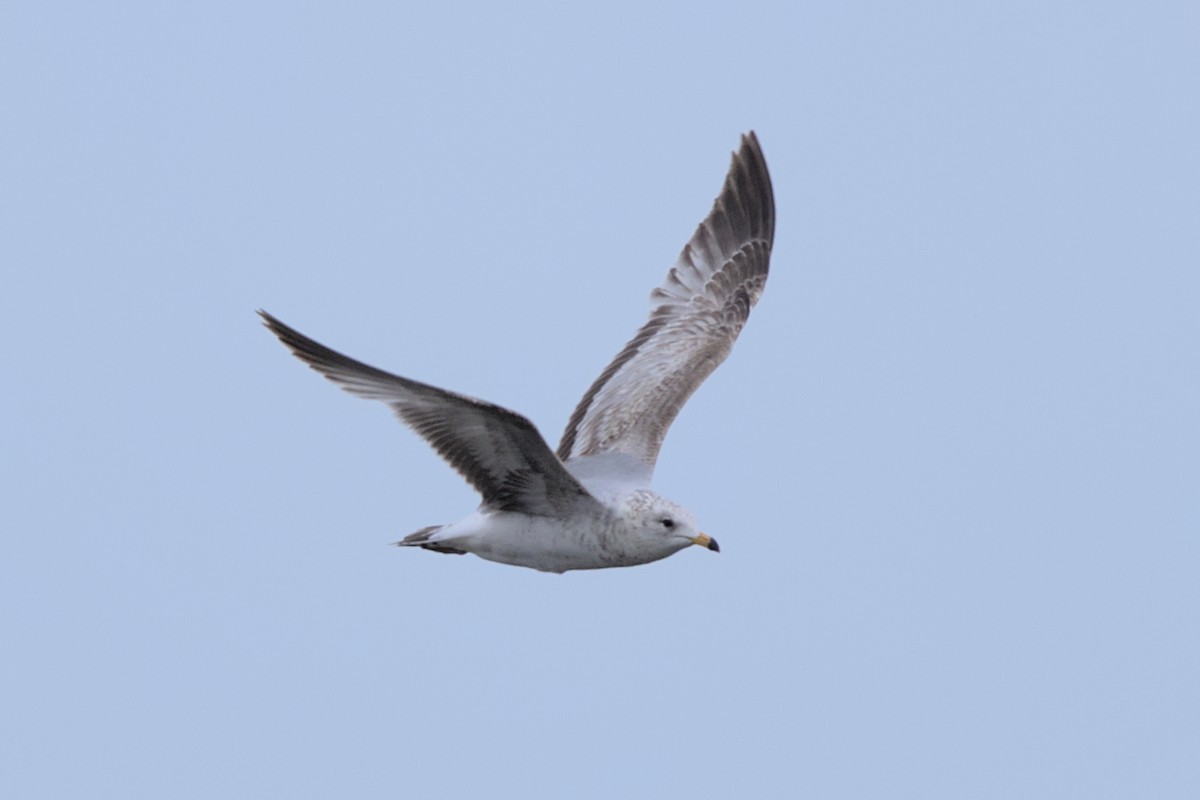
x: 590, y: 506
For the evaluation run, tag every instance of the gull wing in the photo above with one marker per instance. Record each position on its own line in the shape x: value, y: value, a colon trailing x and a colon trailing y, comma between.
x: 498, y: 451
x: 697, y: 315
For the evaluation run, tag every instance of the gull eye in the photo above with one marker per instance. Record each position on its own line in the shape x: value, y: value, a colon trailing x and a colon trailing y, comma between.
x: 668, y: 523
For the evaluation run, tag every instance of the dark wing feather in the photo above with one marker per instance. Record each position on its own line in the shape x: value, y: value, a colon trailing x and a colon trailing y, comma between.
x: 498, y: 451
x: 698, y: 313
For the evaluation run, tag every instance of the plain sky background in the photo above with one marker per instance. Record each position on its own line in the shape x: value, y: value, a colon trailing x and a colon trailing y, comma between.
x: 953, y: 461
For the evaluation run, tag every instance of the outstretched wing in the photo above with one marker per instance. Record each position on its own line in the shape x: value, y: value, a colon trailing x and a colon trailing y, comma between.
x: 698, y: 313
x: 498, y: 451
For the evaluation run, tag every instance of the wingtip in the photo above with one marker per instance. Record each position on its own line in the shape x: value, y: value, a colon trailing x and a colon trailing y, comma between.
x: 750, y: 177
x: 289, y: 336
x: 748, y: 145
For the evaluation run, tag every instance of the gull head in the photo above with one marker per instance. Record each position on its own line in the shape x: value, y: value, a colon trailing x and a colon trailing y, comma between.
x: 655, y: 524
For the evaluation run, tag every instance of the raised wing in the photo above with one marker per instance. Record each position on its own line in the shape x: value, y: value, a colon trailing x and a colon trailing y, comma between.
x: 498, y: 451
x: 698, y: 313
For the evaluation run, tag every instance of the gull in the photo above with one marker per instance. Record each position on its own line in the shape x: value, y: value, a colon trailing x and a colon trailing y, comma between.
x: 589, y: 505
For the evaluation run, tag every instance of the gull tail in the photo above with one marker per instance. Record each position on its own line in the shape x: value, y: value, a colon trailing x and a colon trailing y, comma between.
x: 421, y: 538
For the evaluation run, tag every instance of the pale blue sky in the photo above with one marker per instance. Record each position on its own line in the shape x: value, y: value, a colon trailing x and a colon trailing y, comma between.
x: 953, y: 462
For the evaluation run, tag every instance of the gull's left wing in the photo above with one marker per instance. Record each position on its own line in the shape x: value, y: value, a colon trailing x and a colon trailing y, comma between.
x: 498, y: 451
